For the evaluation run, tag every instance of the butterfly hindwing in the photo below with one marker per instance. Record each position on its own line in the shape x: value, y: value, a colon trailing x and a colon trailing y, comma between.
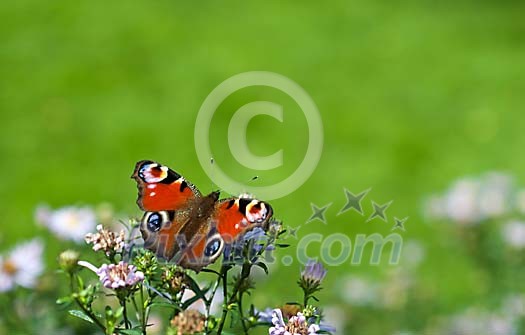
x: 235, y: 216
x: 160, y: 230
x: 160, y: 188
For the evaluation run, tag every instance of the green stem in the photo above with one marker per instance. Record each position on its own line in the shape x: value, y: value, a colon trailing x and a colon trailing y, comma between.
x: 224, y: 308
x: 245, y: 273
x: 84, y: 308
x: 208, y: 302
x: 122, y: 301
x: 241, y: 313
x: 143, y: 308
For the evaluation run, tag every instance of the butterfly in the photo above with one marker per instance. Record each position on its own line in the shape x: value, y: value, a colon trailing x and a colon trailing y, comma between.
x: 182, y: 225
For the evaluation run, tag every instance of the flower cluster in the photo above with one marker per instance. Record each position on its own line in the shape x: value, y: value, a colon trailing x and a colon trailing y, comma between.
x: 188, y: 322
x: 471, y: 200
x: 138, y: 280
x: 296, y: 325
x: 115, y: 276
x: 107, y: 241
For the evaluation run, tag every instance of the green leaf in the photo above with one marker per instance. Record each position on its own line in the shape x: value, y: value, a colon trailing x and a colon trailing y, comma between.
x: 136, y: 331
x: 262, y: 266
x: 64, y: 300
x: 80, y: 315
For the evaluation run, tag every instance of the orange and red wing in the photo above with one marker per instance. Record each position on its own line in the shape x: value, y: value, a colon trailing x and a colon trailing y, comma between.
x: 160, y: 188
x: 235, y: 216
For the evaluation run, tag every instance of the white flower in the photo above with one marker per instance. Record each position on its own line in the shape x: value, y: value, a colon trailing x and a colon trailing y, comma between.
x: 514, y: 234
x: 21, y: 266
x: 471, y: 200
x: 514, y: 305
x: 462, y: 201
x: 482, y: 323
x: 495, y: 193
x: 68, y: 223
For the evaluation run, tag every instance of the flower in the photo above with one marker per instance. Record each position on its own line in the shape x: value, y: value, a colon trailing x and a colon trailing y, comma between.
x: 296, y: 325
x: 173, y: 279
x: 312, y: 276
x: 472, y: 200
x: 495, y: 193
x: 68, y: 260
x: 461, y: 201
x: 236, y: 251
x: 188, y: 322
x: 115, y: 276
x: 146, y: 262
x: 514, y: 234
x: 67, y: 223
x: 21, y: 266
x: 106, y: 240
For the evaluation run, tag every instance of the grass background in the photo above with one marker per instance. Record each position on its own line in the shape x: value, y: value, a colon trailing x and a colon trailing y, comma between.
x: 412, y: 94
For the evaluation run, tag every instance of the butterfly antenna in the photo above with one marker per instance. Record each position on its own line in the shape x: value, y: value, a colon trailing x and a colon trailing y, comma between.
x: 213, y: 186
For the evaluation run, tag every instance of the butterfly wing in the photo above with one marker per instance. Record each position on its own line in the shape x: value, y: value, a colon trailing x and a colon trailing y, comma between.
x: 160, y: 188
x: 160, y: 230
x: 186, y: 237
x: 235, y: 216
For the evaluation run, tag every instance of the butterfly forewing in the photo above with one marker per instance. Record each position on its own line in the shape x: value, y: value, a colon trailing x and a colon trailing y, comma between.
x: 160, y: 188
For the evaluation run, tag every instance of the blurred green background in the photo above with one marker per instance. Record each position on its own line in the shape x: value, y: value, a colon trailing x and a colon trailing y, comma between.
x: 412, y: 94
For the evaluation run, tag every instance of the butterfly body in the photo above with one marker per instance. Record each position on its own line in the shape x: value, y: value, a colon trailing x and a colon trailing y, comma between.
x: 180, y: 224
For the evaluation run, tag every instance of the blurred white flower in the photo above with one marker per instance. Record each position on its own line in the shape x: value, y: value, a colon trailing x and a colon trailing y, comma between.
x: 514, y: 305
x: 494, y: 195
x: 462, y: 201
x: 21, y: 266
x: 514, y: 234
x: 471, y: 200
x: 481, y: 323
x: 67, y: 223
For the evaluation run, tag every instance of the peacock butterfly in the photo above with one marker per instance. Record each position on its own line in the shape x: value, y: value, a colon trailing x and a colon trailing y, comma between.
x: 181, y: 225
